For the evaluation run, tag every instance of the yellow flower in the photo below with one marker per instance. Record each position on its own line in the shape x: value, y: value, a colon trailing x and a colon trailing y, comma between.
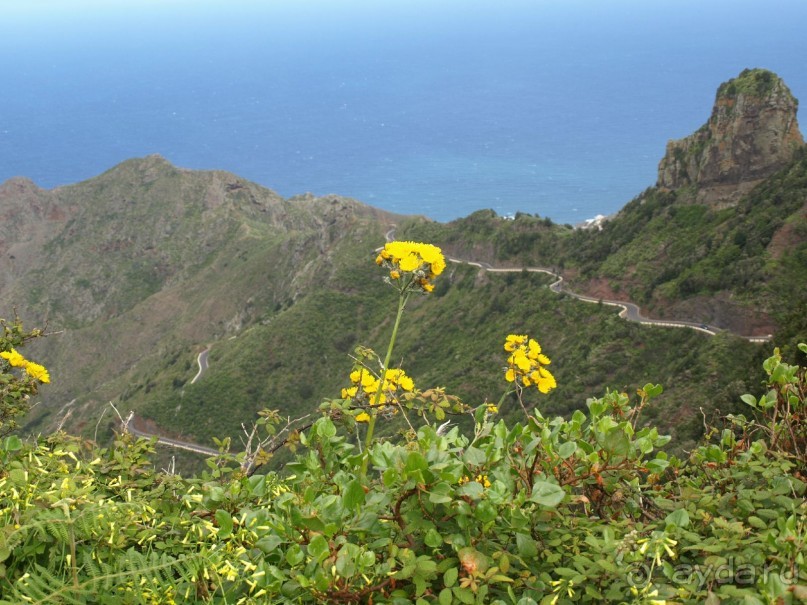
x: 483, y: 479
x: 362, y: 417
x: 423, y: 261
x: 525, y: 364
x: 492, y: 409
x: 37, y: 371
x: 349, y: 393
x: 410, y: 262
x: 514, y: 340
x: 15, y: 359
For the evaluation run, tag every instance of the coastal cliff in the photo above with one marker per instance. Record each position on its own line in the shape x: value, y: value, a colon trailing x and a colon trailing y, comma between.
x: 752, y: 133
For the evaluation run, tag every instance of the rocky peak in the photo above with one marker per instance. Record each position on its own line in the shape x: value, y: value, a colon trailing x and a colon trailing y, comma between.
x: 752, y: 133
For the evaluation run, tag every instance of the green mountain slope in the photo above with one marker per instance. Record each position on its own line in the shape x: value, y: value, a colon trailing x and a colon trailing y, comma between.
x: 148, y: 261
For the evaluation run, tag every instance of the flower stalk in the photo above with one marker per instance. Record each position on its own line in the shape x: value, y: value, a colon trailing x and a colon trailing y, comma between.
x: 403, y: 296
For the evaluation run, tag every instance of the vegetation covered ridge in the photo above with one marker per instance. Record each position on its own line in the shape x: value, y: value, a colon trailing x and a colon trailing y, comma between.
x: 549, y: 510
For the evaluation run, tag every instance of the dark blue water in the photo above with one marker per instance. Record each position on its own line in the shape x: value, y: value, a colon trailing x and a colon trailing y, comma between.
x: 431, y: 107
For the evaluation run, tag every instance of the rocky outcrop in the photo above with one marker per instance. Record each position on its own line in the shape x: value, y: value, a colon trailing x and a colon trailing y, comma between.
x: 752, y: 133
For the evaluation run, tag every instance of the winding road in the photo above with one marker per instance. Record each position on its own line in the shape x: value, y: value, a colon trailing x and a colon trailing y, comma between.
x: 201, y: 359
x: 629, y: 312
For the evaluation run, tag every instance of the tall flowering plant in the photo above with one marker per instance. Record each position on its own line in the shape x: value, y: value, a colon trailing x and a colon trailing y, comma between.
x: 412, y: 267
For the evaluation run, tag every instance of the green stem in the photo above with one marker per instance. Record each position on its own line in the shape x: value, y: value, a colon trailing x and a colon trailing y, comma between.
x: 402, y: 298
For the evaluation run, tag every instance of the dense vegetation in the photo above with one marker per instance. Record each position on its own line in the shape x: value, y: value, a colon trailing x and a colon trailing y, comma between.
x: 541, y: 510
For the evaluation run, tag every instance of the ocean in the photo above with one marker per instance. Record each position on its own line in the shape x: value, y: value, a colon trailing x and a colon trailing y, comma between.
x: 439, y: 108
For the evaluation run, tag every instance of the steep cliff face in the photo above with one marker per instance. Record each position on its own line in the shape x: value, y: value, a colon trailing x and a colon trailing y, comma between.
x: 752, y: 133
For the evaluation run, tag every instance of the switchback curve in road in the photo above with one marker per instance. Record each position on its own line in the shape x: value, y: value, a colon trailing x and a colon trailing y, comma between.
x: 201, y: 360
x: 629, y: 312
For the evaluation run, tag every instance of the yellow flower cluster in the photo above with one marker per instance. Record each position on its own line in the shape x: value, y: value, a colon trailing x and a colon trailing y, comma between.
x: 481, y: 479
x: 423, y: 261
x: 526, y: 363
x: 34, y: 370
x: 366, y: 387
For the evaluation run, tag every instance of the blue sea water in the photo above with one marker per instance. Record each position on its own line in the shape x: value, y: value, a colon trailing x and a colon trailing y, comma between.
x: 434, y: 107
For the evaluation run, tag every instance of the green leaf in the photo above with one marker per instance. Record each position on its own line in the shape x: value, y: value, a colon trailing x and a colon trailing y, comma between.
x: 450, y: 577
x: 567, y: 449
x: 749, y: 399
x: 346, y: 560
x: 415, y: 461
x: 464, y: 595
x: 225, y: 522
x: 445, y: 597
x: 527, y: 547
x: 644, y: 444
x: 474, y: 456
x: 472, y: 489
x: 318, y: 549
x: 652, y: 390
x: 269, y: 543
x: 18, y: 476
x: 657, y: 465
x: 678, y: 518
x: 617, y: 441
x: 485, y: 512
x: 295, y: 554
x: 440, y: 493
x: 433, y: 538
x: 547, y: 494
x: 353, y: 497
x: 12, y: 444
x: 504, y: 563
x: 326, y: 428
